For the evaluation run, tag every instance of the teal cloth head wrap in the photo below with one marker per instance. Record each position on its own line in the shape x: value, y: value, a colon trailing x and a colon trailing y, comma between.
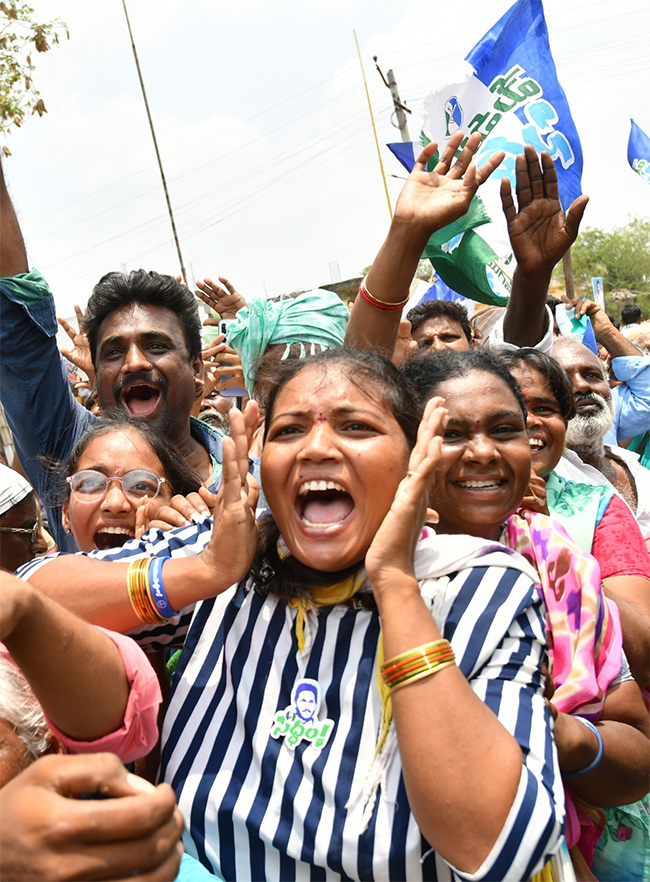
x: 316, y: 317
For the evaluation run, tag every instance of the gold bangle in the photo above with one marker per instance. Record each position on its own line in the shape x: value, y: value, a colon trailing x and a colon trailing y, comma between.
x: 417, y: 663
x: 421, y: 676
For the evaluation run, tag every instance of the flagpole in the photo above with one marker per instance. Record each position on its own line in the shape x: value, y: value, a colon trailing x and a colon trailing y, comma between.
x: 569, y: 284
x: 374, y: 128
x: 155, y: 144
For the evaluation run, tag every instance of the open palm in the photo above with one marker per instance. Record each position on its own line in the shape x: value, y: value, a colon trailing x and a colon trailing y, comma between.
x: 539, y: 231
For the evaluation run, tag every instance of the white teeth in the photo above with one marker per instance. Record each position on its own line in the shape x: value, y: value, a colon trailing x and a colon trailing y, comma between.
x: 536, y: 442
x: 481, y: 485
x: 319, y: 486
x: 121, y: 530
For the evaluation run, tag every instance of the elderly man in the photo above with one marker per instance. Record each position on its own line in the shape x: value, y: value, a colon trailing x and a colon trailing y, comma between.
x: 21, y: 537
x: 589, y: 457
x: 145, y: 340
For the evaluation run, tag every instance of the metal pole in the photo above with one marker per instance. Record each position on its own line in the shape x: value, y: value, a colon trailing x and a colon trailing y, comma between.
x: 374, y: 128
x: 155, y: 144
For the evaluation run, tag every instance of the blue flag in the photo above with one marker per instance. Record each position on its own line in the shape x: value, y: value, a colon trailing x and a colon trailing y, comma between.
x: 507, y: 89
x: 638, y: 151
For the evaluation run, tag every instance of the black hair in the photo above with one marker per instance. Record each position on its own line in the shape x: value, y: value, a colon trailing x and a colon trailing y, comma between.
x: 181, y: 476
x: 372, y: 373
x: 116, y: 290
x: 630, y: 314
x: 555, y: 375
x: 434, y: 308
x: 378, y: 378
x: 614, y: 321
x: 552, y: 302
x: 428, y: 371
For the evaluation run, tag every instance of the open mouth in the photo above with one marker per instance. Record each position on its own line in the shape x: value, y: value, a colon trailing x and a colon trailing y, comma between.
x: 476, y: 484
x: 536, y: 444
x: 141, y: 399
x: 112, y: 537
x: 323, y: 504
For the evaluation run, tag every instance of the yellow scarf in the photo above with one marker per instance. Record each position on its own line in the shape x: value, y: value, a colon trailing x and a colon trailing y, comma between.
x: 330, y: 596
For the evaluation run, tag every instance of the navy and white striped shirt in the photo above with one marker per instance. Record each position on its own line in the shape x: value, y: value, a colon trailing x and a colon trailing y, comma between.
x: 257, y: 809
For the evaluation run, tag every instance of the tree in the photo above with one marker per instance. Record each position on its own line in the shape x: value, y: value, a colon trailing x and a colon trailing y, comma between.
x: 621, y: 257
x: 20, y: 35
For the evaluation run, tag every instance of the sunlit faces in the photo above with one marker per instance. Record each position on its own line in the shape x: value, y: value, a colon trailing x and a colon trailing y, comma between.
x: 110, y: 522
x: 143, y: 367
x: 546, y: 426
x: 585, y: 372
x: 332, y: 461
x: 485, y: 461
x: 595, y: 409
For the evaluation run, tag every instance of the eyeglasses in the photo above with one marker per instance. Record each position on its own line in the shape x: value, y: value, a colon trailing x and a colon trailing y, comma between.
x: 91, y: 486
x: 33, y: 530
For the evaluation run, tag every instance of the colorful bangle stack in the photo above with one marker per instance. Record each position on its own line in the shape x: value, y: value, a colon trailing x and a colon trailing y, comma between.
x: 599, y: 753
x: 146, y: 591
x: 382, y: 305
x: 417, y: 663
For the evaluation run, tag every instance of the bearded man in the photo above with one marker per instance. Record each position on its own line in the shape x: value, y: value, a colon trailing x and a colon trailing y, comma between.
x: 589, y: 457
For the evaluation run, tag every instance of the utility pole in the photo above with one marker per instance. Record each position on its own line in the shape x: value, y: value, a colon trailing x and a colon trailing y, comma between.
x: 155, y: 144
x: 400, y: 109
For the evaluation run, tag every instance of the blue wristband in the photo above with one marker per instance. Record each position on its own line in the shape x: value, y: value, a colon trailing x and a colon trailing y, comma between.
x: 599, y: 755
x: 157, y: 589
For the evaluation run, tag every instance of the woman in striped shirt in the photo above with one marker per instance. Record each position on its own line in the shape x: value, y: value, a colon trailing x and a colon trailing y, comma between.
x: 289, y: 756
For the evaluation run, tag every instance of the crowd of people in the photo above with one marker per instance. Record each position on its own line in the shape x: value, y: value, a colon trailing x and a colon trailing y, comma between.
x: 385, y: 616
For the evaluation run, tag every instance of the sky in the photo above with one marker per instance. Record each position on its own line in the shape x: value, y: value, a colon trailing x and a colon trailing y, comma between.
x: 264, y: 130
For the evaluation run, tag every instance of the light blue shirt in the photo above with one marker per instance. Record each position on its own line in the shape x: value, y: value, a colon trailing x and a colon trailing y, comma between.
x: 632, y: 399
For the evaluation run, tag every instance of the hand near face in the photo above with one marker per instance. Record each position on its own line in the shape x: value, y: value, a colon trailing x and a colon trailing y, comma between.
x: 540, y: 233
x: 222, y: 366
x: 393, y: 547
x: 535, y: 498
x: 54, y: 836
x: 184, y: 510
x: 405, y: 345
x: 234, y: 534
x: 79, y: 355
x: 431, y: 200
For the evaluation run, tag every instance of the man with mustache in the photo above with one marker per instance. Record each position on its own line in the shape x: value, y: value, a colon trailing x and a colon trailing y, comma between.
x: 590, y: 458
x: 144, y: 333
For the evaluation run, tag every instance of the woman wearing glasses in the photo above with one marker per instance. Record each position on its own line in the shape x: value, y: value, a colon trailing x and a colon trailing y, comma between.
x: 21, y: 538
x: 118, y: 476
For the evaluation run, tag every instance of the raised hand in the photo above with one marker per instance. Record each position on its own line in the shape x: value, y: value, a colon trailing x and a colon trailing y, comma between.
x: 437, y: 198
x: 539, y: 231
x: 79, y: 355
x: 226, y: 302
x: 234, y: 534
x: 393, y: 548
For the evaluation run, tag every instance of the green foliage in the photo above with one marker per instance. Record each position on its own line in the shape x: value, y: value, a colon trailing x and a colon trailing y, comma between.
x: 20, y: 35
x: 621, y: 257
